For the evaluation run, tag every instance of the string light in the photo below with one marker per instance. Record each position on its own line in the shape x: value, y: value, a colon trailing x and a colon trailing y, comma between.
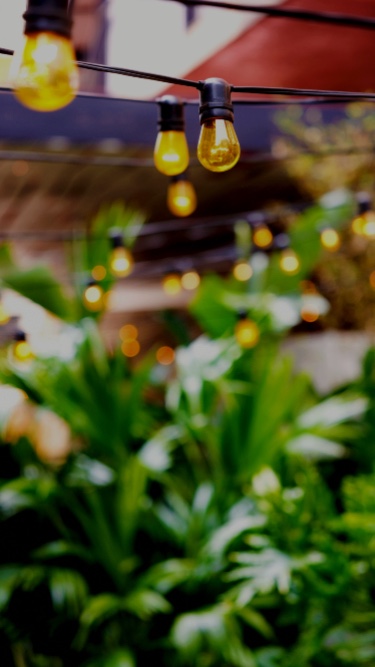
x: 171, y: 152
x: 128, y: 333
x: 190, y: 280
x: 242, y: 270
x: 21, y: 351
x: 330, y: 239
x: 289, y: 262
x: 172, y: 284
x: 99, y: 272
x: 262, y: 236
x: 45, y: 76
x: 121, y: 261
x: 246, y: 331
x: 181, y: 197
x: 218, y: 146
x: 165, y: 355
x: 93, y: 297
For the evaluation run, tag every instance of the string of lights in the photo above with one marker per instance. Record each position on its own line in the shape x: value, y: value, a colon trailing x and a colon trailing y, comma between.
x: 330, y: 18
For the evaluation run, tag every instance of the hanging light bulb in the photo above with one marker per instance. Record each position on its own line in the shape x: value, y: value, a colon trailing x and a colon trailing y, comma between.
x: 171, y: 152
x: 172, y: 284
x: 246, y: 331
x: 242, y: 270
x: 262, y: 236
x: 190, y: 280
x: 289, y: 262
x: 121, y: 261
x: 44, y: 74
x: 218, y: 147
x: 181, y: 197
x: 330, y: 239
x: 93, y: 297
x: 21, y: 351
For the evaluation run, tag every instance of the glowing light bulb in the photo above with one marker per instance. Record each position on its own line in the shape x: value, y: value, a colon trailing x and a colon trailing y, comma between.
x: 172, y: 284
x: 309, y: 315
x: 330, y: 239
x: 165, y: 355
x: 246, y: 332
x: 218, y: 146
x: 171, y: 152
x: 358, y: 224
x: 181, y: 197
x: 130, y: 348
x: 128, y: 333
x: 368, y: 229
x: 121, y: 262
x: 47, y: 77
x: 242, y: 270
x: 289, y: 262
x: 93, y: 297
x: 190, y: 280
x: 21, y: 351
x: 99, y: 272
x: 262, y: 236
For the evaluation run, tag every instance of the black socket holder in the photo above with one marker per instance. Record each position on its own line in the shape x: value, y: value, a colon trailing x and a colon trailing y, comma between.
x: 117, y: 240
x: 171, y: 114
x: 215, y: 101
x: 48, y: 16
x: 242, y: 315
x: 19, y: 336
x: 178, y: 178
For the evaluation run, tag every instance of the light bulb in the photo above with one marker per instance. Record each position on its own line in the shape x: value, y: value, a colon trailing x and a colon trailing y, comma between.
x: 190, y: 280
x: 128, y: 333
x: 93, y: 297
x: 44, y: 74
x: 262, y: 236
x: 121, y: 262
x: 246, y: 332
x: 289, y: 262
x: 181, y: 197
x: 218, y: 146
x: 99, y: 272
x: 330, y: 239
x: 21, y: 351
x: 130, y: 348
x: 165, y: 355
x: 172, y: 284
x: 242, y: 270
x: 171, y: 152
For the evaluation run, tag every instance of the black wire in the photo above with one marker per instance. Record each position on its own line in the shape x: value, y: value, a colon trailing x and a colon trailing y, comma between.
x: 304, y: 92
x: 331, y: 18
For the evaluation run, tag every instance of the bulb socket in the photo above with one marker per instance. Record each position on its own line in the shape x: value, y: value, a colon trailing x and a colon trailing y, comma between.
x: 19, y: 336
x: 364, y: 203
x: 242, y: 315
x: 215, y: 101
x: 117, y: 240
x: 171, y: 114
x: 178, y: 178
x: 48, y: 16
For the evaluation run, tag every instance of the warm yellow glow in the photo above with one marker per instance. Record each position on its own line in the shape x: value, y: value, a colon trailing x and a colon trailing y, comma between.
x: 190, y: 280
x: 372, y: 279
x: 289, y: 262
x: 22, y: 351
x: 165, y: 355
x: 172, y: 284
x: 262, y: 236
x: 171, y: 153
x: 130, y: 348
x: 128, y: 333
x: 45, y: 75
x: 247, y: 333
x: 4, y: 317
x: 121, y: 262
x: 309, y: 315
x: 218, y: 147
x: 358, y: 224
x: 99, y: 272
x: 330, y: 239
x: 242, y: 270
x: 181, y: 198
x: 368, y: 228
x: 93, y: 298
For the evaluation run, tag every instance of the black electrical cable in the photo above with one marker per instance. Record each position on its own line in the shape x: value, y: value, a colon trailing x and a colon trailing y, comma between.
x: 331, y: 18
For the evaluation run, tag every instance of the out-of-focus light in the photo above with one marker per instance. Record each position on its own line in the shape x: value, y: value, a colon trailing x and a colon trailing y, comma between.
x: 358, y: 224
x: 368, y: 229
x: 51, y: 437
x: 99, y: 272
x: 130, y: 348
x: 190, y: 280
x: 289, y: 262
x: 242, y: 270
x: 330, y: 239
x: 21, y: 351
x: 372, y: 279
x: 309, y: 315
x: 93, y: 297
x: 172, y: 284
x: 128, y: 333
x: 165, y: 355
x: 262, y: 236
x: 181, y: 196
x: 121, y: 261
x: 247, y: 333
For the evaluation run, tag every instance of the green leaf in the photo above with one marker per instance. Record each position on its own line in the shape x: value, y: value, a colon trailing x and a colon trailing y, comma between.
x: 39, y: 285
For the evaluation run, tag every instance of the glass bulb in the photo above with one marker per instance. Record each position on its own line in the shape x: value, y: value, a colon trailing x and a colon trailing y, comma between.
x: 44, y: 74
x: 247, y: 333
x: 289, y: 262
x: 190, y: 280
x: 218, y: 147
x: 262, y: 236
x: 22, y: 352
x: 172, y: 284
x: 121, y: 262
x: 330, y: 239
x: 171, y: 153
x: 93, y: 298
x: 181, y: 198
x: 242, y: 270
